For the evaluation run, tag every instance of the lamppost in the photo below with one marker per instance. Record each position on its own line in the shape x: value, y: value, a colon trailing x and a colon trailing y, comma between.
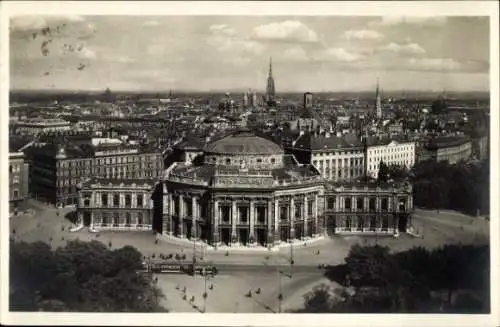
x: 291, y: 250
x: 280, y: 295
x: 394, y: 210
x: 205, y: 294
x: 194, y: 253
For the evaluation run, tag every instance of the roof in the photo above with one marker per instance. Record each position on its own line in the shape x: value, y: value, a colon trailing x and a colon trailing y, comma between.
x: 191, y: 143
x: 290, y: 171
x: 309, y: 141
x: 385, y: 140
x: 245, y: 142
x: 138, y: 182
x: 16, y: 143
x: 447, y: 141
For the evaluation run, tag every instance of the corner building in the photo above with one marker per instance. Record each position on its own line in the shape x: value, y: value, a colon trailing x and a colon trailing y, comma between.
x: 247, y: 192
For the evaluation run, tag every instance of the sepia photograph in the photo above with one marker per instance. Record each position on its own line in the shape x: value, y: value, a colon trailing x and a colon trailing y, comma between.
x: 247, y: 163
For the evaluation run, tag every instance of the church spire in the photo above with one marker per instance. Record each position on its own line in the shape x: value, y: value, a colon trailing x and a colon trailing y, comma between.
x: 270, y: 88
x: 270, y: 66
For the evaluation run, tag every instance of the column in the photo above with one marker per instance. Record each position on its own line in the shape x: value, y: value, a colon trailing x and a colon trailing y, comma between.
x: 336, y: 169
x: 216, y: 215
x: 92, y: 219
x: 181, y: 215
x: 269, y: 214
x: 234, y: 214
x: 315, y: 213
x: 164, y: 212
x: 276, y: 220
x: 305, y: 214
x: 170, y: 214
x: 292, y: 218
x: 252, y: 222
x: 194, y: 217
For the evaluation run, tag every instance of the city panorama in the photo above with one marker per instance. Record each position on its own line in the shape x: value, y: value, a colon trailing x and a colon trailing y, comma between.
x: 263, y: 164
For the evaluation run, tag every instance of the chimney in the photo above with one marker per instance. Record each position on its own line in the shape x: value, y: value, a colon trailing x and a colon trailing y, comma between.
x: 339, y: 134
x: 327, y: 135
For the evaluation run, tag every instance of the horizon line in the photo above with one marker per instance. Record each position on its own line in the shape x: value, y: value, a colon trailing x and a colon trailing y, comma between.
x: 149, y: 91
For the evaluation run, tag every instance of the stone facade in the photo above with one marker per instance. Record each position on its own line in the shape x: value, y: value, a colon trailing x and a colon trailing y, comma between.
x: 115, y: 204
x: 368, y: 209
x: 243, y: 216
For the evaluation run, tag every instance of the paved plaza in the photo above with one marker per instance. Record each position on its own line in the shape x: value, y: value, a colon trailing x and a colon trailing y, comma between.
x: 44, y: 224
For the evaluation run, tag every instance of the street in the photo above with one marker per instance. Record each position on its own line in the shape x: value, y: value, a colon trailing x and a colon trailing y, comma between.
x: 248, y: 271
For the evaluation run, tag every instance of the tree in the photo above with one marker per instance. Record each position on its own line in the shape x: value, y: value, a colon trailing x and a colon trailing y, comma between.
x: 319, y: 299
x: 79, y: 277
x: 383, y: 172
x: 402, y: 282
x: 368, y: 266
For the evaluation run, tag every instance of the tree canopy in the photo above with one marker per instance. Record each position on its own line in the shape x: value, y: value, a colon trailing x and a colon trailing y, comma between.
x: 81, y: 276
x: 413, y: 281
x: 463, y: 187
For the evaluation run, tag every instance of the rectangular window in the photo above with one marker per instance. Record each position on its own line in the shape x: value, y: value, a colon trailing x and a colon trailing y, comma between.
x: 298, y: 210
x: 116, y: 200
x: 372, y: 204
x: 104, y: 199
x: 128, y: 200
x: 385, y: 204
x: 331, y: 203
x: 360, y: 203
x: 347, y: 204
x: 284, y: 213
x: 139, y: 200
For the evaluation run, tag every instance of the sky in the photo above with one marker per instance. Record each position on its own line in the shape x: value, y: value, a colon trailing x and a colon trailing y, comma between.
x: 229, y: 53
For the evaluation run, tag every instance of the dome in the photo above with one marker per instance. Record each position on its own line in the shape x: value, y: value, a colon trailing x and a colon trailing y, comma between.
x: 243, y: 142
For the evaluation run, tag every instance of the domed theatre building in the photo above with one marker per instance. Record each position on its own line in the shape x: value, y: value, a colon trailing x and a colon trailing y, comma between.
x: 245, y: 192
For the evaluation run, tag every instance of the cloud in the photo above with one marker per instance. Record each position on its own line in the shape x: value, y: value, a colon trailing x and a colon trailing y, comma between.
x: 238, y: 61
x: 32, y: 22
x: 119, y: 58
x: 295, y: 54
x: 287, y: 31
x: 435, y: 64
x: 151, y: 22
x: 222, y: 29
x: 362, y: 35
x: 87, y: 53
x: 225, y: 39
x: 340, y: 55
x: 406, y: 49
x: 411, y: 20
